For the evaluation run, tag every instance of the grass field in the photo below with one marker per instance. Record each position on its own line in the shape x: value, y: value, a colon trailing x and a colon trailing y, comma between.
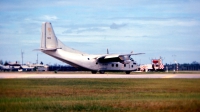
x: 55, y: 95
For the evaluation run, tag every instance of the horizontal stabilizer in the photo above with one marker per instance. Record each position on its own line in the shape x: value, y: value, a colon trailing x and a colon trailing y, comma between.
x: 54, y: 49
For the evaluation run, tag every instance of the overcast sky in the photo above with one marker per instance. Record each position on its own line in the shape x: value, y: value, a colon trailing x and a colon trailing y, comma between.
x: 167, y: 28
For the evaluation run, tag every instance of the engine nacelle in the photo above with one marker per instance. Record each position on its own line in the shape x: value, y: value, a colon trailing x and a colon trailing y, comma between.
x: 124, y: 58
x: 126, y: 61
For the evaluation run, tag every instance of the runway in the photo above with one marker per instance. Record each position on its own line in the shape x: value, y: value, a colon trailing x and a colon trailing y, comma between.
x: 32, y: 76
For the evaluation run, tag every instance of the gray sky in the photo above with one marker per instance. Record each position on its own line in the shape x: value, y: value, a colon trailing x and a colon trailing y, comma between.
x: 157, y: 28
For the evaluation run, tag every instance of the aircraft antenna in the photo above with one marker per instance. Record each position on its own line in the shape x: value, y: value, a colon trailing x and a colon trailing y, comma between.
x: 107, y: 51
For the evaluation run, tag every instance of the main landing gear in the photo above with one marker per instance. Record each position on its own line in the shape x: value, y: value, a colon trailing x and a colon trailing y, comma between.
x: 94, y: 72
x: 101, y: 72
x: 128, y: 72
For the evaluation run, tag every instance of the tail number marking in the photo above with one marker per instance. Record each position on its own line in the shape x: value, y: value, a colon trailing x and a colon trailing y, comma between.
x: 48, y: 37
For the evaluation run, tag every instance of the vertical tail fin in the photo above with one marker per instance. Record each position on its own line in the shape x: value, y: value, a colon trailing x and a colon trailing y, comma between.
x: 48, y: 37
x: 50, y: 42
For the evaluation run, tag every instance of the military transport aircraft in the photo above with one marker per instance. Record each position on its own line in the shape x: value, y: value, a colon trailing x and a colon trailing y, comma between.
x: 52, y: 46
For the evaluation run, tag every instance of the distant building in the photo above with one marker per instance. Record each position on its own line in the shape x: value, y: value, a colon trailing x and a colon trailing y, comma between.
x: 26, y: 67
x: 34, y: 67
x: 40, y: 67
x: 11, y: 67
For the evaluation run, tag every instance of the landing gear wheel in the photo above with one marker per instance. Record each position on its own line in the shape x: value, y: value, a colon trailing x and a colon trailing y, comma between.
x: 128, y: 72
x: 101, y: 72
x: 94, y: 72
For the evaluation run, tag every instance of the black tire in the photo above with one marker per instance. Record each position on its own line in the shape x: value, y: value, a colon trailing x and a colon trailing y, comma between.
x: 94, y: 72
x: 101, y: 72
x: 128, y: 72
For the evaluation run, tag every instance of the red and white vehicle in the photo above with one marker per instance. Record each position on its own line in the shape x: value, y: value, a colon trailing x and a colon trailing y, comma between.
x: 156, y: 65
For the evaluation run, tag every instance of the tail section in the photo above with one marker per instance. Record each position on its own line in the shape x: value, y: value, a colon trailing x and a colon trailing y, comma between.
x: 48, y: 37
x: 49, y: 41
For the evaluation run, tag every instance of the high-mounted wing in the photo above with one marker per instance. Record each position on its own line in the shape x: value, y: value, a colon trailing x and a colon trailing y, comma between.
x: 123, y: 58
x: 107, y: 56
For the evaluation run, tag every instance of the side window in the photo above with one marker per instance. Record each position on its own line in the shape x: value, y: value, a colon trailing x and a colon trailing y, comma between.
x: 112, y: 65
x: 124, y: 65
x: 116, y: 65
x: 88, y: 58
x: 132, y: 66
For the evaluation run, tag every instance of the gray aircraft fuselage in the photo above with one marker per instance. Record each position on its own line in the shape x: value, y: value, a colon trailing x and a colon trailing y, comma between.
x: 50, y: 45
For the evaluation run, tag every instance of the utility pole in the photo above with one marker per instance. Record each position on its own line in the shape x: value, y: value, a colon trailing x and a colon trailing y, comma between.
x: 174, y: 62
x: 22, y: 53
x: 162, y: 59
x: 37, y: 59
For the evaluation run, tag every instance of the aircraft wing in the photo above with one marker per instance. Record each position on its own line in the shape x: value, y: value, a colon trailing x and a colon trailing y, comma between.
x: 131, y: 54
x: 109, y: 56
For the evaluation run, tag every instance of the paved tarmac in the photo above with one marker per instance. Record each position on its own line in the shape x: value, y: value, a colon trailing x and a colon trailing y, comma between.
x: 32, y: 76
